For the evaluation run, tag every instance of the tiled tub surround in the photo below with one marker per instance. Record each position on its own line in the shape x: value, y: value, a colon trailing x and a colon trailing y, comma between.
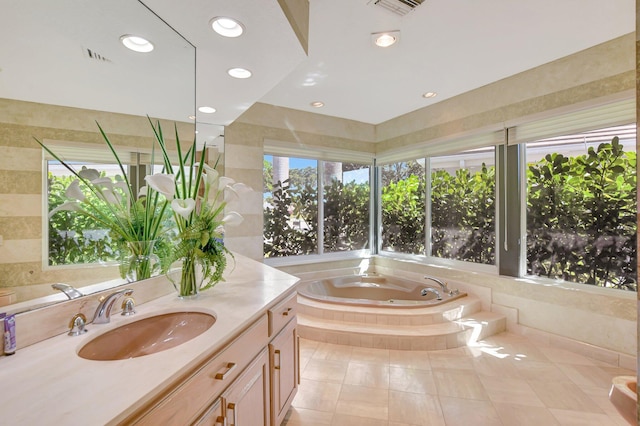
x: 598, y: 323
x: 70, y: 390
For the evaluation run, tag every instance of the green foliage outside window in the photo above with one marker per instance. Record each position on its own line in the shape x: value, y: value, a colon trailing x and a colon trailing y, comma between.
x: 581, y: 217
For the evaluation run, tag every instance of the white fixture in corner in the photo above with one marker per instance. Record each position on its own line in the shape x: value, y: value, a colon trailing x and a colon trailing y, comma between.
x: 386, y: 38
x: 227, y: 27
x: 136, y: 43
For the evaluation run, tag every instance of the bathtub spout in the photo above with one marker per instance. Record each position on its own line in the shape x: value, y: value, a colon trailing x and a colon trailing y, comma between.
x: 428, y: 290
x: 442, y: 284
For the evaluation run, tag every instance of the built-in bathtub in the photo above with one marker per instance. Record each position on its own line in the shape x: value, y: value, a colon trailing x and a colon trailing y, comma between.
x: 378, y: 291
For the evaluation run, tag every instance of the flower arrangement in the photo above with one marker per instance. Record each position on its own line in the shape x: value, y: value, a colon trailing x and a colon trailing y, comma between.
x: 198, y: 196
x: 182, y: 208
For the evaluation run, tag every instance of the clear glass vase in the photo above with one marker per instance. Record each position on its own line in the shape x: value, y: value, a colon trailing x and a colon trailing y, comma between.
x: 188, y: 280
x: 141, y: 262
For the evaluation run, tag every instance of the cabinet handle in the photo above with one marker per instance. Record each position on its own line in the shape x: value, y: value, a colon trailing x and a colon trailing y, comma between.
x: 229, y: 368
x: 221, y: 420
x: 276, y: 352
x: 286, y: 313
x: 232, y: 406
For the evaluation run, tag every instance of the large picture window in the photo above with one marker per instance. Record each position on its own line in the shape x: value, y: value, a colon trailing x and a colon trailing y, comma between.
x: 463, y: 206
x: 581, y: 208
x: 298, y: 222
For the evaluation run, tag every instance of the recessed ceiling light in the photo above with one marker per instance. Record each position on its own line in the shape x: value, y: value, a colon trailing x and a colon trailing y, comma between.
x: 239, y: 73
x: 227, y: 27
x: 385, y: 39
x: 192, y: 117
x: 317, y: 104
x: 207, y: 109
x: 136, y: 43
x: 429, y: 95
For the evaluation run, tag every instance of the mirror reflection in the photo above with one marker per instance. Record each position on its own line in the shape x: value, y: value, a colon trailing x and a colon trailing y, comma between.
x: 64, y: 69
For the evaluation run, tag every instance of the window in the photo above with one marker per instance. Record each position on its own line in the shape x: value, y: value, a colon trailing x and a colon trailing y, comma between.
x: 463, y: 206
x: 298, y: 222
x: 74, y: 238
x: 581, y: 208
x: 403, y: 207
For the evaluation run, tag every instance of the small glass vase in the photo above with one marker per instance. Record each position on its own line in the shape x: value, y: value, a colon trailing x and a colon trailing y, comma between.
x: 141, y: 262
x: 188, y: 280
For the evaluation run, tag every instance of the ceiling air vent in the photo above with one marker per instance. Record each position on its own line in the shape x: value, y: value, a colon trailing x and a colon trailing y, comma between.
x: 92, y: 54
x: 399, y: 7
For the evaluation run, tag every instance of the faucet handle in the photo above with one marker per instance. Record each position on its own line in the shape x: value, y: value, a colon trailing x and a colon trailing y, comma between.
x: 128, y: 306
x: 77, y: 324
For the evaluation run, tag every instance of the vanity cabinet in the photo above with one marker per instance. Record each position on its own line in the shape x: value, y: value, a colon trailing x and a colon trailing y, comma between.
x: 249, y: 382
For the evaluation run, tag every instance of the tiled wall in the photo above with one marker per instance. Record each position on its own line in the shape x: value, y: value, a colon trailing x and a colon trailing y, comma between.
x: 21, y: 185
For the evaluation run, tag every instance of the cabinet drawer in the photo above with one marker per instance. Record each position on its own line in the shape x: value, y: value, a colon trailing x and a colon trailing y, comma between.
x: 191, y: 398
x: 282, y: 313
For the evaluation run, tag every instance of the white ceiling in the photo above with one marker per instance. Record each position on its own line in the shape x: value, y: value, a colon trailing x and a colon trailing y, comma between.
x: 446, y: 46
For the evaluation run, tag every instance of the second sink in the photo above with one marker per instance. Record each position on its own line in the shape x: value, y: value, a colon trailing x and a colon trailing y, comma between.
x: 147, y: 336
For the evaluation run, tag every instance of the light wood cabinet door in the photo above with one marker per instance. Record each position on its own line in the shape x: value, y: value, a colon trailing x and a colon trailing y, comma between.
x: 246, y: 401
x: 213, y: 416
x: 283, y: 351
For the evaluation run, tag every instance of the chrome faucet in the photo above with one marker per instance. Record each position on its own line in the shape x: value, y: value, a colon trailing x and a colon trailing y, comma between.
x: 428, y: 290
x: 70, y: 291
x: 443, y: 286
x: 103, y: 312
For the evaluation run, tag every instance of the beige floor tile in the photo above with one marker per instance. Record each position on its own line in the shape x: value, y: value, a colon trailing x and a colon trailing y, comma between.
x: 368, y: 375
x: 401, y: 424
x: 544, y: 371
x: 417, y: 360
x: 525, y: 415
x: 465, y: 412
x: 303, y: 417
x: 459, y: 384
x: 524, y: 352
x: 563, y: 396
x: 414, y: 409
x: 415, y: 381
x: 489, y: 365
x: 319, y: 396
x: 443, y: 361
x: 580, y: 418
x: 564, y: 356
x: 332, y: 352
x: 360, y: 401
x: 587, y: 375
x: 510, y: 391
x: 344, y: 420
x: 376, y: 356
x: 325, y: 370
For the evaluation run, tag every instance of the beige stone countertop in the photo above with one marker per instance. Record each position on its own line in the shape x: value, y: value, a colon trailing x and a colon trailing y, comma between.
x: 48, y: 383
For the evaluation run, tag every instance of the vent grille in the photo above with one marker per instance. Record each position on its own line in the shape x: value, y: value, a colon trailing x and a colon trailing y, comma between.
x: 93, y: 55
x: 399, y: 7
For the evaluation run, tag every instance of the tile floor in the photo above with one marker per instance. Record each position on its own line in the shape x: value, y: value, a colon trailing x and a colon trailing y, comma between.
x: 506, y: 380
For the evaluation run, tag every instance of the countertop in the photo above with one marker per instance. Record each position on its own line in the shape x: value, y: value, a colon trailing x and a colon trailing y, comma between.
x: 48, y: 383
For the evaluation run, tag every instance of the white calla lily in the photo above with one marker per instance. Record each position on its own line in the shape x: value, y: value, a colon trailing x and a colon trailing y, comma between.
x: 230, y: 194
x: 183, y: 207
x: 89, y: 174
x: 72, y: 206
x: 142, y: 192
x: 74, y: 192
x: 163, y: 183
x: 109, y: 196
x: 233, y: 219
x: 224, y: 181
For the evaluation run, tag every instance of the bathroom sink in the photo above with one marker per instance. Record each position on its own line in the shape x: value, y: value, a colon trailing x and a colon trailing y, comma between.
x: 147, y: 336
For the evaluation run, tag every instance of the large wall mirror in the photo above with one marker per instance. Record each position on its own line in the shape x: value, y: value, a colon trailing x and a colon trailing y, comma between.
x: 62, y: 68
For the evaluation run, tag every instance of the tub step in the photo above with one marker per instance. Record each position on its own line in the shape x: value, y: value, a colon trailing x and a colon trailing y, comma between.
x: 443, y: 335
x: 450, y: 311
